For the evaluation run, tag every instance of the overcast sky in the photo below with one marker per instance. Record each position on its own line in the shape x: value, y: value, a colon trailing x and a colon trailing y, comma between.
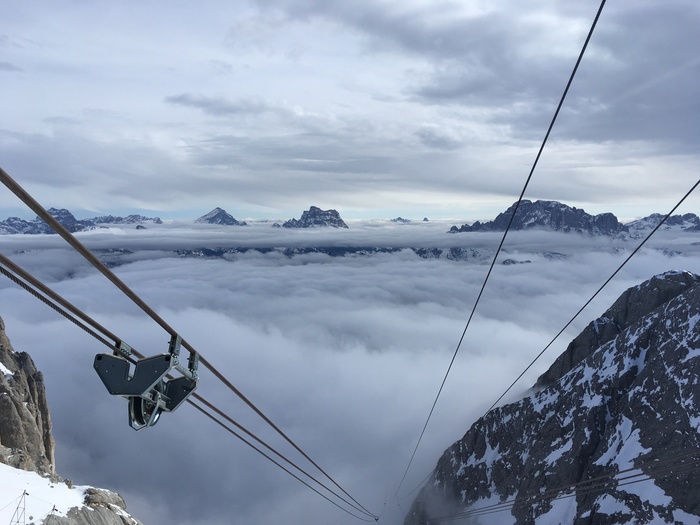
x: 345, y: 354
x: 374, y: 108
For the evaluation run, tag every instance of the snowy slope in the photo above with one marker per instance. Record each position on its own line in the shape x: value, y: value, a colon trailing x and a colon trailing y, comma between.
x: 43, y: 495
x: 623, y: 405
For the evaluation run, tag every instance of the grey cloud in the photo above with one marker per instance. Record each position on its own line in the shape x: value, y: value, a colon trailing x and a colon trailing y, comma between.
x: 636, y: 82
x: 220, y: 107
x: 9, y: 68
x: 433, y: 138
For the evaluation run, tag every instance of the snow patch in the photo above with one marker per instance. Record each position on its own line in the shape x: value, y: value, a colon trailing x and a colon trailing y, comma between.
x: 6, y: 371
x: 43, y: 495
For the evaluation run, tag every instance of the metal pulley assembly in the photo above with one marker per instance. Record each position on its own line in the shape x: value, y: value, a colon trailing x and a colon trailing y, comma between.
x: 148, y: 387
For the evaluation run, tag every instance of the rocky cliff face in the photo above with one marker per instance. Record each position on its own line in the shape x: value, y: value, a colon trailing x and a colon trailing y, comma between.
x: 315, y: 217
x: 620, y: 404
x: 26, y: 439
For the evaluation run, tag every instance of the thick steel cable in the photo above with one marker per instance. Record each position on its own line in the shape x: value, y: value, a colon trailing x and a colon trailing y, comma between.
x: 46, y: 295
x: 22, y: 284
x: 634, y: 252
x: 66, y: 309
x: 505, y: 234
x: 27, y: 199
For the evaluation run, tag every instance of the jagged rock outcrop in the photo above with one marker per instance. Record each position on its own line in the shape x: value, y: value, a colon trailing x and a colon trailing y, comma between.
x: 548, y: 214
x: 101, y: 507
x: 14, y: 225
x: 27, y: 443
x: 220, y: 216
x: 401, y: 220
x: 622, y: 399
x: 316, y: 217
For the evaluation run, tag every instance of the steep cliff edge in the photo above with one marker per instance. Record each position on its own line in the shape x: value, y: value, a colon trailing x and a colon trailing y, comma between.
x: 27, y: 444
x: 26, y: 441
x: 609, y: 435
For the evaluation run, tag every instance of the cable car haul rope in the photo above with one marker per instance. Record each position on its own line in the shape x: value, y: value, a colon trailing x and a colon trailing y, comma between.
x: 162, y: 382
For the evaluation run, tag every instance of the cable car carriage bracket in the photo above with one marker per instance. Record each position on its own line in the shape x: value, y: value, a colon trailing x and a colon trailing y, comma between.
x: 149, y: 387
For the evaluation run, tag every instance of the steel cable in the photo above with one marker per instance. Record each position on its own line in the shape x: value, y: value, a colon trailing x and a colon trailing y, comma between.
x: 505, y: 234
x: 27, y: 199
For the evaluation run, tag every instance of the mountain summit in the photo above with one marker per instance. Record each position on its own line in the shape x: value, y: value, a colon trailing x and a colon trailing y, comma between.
x: 548, y: 214
x: 219, y: 216
x: 315, y: 217
x: 609, y: 434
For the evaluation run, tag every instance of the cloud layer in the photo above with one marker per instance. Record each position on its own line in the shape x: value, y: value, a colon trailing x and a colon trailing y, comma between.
x: 345, y: 354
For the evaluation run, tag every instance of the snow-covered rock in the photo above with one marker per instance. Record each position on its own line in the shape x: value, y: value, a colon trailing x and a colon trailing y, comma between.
x: 14, y: 225
x: 687, y: 222
x: 548, y: 214
x: 220, y: 216
x: 620, y: 403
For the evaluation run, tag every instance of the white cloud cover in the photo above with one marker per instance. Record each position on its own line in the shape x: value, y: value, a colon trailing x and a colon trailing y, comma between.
x: 374, y: 108
x: 345, y: 354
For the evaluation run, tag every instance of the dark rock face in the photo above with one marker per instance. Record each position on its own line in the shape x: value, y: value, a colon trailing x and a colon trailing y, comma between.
x: 548, y: 214
x: 316, y: 217
x: 219, y: 216
x: 15, y: 225
x: 623, y: 396
x: 631, y: 306
x: 401, y: 220
x: 26, y: 441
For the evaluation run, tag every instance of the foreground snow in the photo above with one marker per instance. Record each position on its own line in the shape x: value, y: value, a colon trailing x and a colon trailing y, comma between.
x: 43, y: 495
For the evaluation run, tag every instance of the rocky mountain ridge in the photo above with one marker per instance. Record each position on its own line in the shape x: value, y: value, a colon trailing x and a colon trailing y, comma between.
x: 623, y: 398
x: 15, y: 225
x: 531, y: 215
x: 27, y: 443
x: 562, y: 218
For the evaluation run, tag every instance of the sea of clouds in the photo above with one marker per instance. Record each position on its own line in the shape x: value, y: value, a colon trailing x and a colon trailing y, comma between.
x: 345, y: 354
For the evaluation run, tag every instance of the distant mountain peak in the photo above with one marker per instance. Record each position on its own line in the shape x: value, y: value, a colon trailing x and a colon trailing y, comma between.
x: 220, y: 216
x: 14, y: 225
x: 548, y: 215
x: 316, y: 217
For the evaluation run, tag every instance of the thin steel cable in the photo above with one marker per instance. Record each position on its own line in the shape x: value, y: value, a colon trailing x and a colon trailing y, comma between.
x: 36, y: 288
x: 223, y: 415
x: 251, y: 445
x: 55, y: 307
x: 505, y: 234
x: 634, y: 252
x: 600, y: 483
x: 27, y: 199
